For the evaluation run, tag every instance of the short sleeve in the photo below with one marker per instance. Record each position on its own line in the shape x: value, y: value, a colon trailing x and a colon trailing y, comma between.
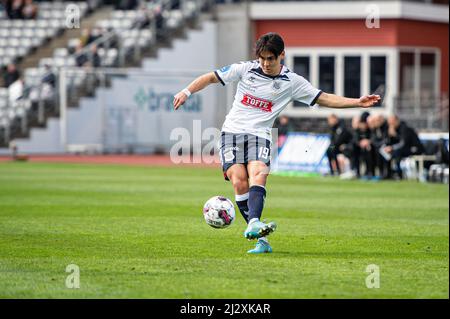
x: 303, y: 91
x: 233, y: 72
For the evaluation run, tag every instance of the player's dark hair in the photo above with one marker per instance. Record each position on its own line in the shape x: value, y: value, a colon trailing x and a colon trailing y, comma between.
x: 271, y: 42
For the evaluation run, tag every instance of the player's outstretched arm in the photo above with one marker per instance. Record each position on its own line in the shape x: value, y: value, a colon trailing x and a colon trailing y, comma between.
x: 337, y: 102
x: 198, y: 84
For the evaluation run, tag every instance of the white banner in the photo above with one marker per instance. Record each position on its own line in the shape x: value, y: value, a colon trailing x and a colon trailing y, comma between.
x: 303, y: 152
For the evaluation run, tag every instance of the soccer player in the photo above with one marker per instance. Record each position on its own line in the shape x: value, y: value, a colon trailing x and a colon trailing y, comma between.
x: 265, y: 87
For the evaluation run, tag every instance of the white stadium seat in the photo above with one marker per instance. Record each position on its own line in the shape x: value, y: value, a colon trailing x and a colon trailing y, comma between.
x: 36, y: 42
x: 46, y: 61
x: 30, y: 23
x: 13, y: 42
x: 60, y: 52
x: 3, y: 104
x: 16, y: 32
x: 28, y: 33
x: 41, y: 33
x: 70, y: 61
x: 11, y: 52
x: 51, y: 32
x: 42, y: 24
x: 5, y: 23
x: 22, y: 51
x: 18, y: 23
x: 4, y: 32
x: 44, y: 14
x: 55, y: 23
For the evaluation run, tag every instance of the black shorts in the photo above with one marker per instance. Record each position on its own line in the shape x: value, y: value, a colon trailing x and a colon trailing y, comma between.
x: 243, y: 148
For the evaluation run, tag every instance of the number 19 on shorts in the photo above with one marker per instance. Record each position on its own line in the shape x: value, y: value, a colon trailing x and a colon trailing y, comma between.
x: 263, y: 152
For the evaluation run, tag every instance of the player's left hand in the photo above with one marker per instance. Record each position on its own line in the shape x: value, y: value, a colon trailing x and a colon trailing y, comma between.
x: 368, y: 100
x: 179, y: 100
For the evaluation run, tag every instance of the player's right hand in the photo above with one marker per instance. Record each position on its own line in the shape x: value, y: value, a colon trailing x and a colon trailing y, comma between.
x: 179, y: 100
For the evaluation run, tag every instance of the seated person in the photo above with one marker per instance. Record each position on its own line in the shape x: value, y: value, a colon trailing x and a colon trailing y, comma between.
x: 340, y: 139
x: 407, y: 142
x: 11, y: 75
x: 363, y: 150
x: 379, y: 138
x: 30, y: 10
x: 284, y: 127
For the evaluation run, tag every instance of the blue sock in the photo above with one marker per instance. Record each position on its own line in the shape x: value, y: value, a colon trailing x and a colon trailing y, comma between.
x: 242, y: 203
x: 256, y: 197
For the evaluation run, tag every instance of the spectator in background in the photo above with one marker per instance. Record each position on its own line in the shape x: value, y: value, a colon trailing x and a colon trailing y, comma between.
x: 407, y: 142
x: 363, y: 149
x: 159, y: 21
x: 86, y: 37
x: 30, y: 10
x: 340, y: 141
x: 80, y: 57
x: 95, y: 34
x: 175, y: 5
x: 15, y: 92
x: 87, y: 59
x: 437, y: 148
x: 95, y: 60
x: 5, y: 5
x: 142, y: 19
x: 284, y: 127
x: 11, y: 75
x: 91, y: 60
x: 352, y: 151
x: 379, y: 138
x: 128, y: 4
x: 14, y: 9
x: 442, y: 154
x: 48, y: 83
x: 49, y: 77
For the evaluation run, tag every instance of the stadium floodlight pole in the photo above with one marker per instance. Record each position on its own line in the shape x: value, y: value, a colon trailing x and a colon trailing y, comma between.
x: 62, y: 108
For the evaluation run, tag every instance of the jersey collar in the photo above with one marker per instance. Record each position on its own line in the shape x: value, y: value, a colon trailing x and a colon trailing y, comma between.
x: 281, y: 75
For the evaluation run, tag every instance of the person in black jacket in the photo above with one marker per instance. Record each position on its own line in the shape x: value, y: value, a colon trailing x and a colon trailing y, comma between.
x: 340, y: 139
x: 407, y: 142
x: 14, y: 9
x: 379, y: 138
x: 11, y: 75
x: 363, y: 150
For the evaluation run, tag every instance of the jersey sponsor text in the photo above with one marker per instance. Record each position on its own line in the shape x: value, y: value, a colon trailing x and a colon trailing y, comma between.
x: 258, y: 103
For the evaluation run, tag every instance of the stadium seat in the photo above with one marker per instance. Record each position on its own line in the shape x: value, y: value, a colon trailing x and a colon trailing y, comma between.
x: 19, y: 37
x: 60, y: 52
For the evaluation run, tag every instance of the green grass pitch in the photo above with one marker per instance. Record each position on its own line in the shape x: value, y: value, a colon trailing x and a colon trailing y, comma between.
x: 138, y: 232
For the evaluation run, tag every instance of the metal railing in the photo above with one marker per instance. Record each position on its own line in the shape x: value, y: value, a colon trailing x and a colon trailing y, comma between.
x: 424, y: 111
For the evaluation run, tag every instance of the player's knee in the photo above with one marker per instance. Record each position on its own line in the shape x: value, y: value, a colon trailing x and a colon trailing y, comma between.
x: 240, y: 184
x: 259, y: 177
x: 261, y: 171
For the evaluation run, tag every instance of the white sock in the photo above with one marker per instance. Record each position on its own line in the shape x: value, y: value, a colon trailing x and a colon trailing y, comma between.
x: 264, y: 238
x: 253, y: 220
x: 240, y: 198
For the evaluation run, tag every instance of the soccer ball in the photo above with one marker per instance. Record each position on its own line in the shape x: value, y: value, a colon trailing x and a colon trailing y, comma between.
x: 219, y: 212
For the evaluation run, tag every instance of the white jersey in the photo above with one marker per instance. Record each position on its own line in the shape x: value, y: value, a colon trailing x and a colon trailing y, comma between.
x: 260, y: 98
